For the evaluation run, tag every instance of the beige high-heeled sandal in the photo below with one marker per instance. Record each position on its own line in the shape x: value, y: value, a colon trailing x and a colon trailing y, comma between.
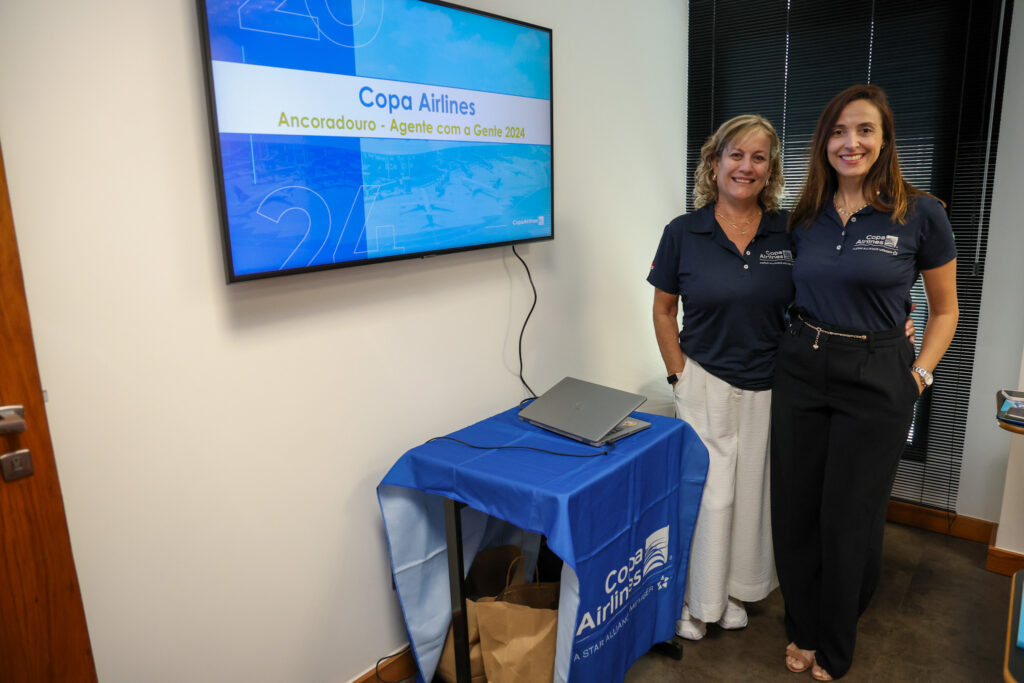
x: 818, y: 673
x: 802, y: 659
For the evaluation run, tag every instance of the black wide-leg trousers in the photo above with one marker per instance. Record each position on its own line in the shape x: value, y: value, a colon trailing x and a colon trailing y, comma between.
x: 840, y: 418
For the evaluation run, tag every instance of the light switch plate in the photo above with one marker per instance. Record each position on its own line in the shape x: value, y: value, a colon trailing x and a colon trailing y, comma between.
x: 16, y: 465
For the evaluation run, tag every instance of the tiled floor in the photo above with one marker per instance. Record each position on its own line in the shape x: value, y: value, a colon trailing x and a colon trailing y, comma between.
x: 938, y: 615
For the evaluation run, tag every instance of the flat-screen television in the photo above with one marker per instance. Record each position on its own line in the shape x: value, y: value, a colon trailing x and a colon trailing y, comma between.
x: 355, y: 131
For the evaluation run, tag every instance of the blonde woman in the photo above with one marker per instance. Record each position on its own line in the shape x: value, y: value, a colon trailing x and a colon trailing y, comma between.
x: 730, y: 264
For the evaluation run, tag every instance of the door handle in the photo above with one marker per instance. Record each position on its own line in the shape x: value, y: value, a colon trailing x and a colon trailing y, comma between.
x: 12, y: 419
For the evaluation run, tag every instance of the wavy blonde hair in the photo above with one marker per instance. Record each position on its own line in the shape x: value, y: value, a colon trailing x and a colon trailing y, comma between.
x: 705, y: 186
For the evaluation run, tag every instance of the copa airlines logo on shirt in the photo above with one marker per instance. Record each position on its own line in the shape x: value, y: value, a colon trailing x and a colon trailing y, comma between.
x: 623, y: 583
x: 779, y: 257
x: 886, y: 244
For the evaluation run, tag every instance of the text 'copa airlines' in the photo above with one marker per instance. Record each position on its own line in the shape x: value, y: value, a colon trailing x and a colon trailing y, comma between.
x: 428, y: 102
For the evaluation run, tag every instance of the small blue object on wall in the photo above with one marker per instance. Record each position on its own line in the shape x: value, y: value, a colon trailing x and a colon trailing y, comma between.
x: 1020, y: 632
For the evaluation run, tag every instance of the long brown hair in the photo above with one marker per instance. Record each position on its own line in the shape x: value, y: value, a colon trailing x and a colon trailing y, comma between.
x: 884, y: 183
x: 705, y: 188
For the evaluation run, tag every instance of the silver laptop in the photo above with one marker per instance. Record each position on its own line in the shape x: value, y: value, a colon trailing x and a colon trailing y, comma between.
x: 587, y: 412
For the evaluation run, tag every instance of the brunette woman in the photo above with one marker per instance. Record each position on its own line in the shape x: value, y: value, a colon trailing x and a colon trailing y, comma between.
x: 846, y: 377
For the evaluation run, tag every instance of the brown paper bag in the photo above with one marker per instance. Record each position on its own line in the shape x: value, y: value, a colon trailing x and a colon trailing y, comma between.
x: 536, y: 595
x: 517, y: 642
x: 446, y: 665
x: 490, y: 572
x: 493, y: 570
x: 519, y: 632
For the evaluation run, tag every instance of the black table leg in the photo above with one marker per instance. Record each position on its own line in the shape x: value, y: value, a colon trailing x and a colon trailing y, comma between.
x: 456, y: 581
x: 670, y: 648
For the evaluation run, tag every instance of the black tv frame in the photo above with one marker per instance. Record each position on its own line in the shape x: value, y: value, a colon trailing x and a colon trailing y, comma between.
x: 232, y: 277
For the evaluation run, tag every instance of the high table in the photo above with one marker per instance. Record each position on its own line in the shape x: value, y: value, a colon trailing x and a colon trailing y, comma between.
x: 1016, y: 429
x: 622, y: 524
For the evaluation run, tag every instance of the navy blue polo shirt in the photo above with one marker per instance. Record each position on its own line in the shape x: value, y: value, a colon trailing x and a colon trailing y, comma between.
x: 859, y: 277
x: 733, y: 304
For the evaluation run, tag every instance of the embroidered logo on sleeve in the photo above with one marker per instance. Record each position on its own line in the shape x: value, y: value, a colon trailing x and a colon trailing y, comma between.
x: 885, y: 244
x: 779, y: 257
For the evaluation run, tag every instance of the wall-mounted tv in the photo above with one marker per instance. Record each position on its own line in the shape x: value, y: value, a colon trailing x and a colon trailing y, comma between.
x: 355, y: 131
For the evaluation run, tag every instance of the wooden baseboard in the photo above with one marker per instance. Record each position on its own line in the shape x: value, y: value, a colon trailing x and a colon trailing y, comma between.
x: 941, y: 521
x: 1003, y: 561
x: 400, y: 667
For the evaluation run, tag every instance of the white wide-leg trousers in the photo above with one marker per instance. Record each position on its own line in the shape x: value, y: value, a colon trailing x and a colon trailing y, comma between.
x: 731, y: 554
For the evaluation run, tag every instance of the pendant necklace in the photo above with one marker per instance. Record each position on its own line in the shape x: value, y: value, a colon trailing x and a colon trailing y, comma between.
x: 842, y: 211
x: 746, y: 223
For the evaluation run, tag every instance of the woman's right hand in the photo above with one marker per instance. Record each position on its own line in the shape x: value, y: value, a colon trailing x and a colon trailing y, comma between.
x: 908, y: 326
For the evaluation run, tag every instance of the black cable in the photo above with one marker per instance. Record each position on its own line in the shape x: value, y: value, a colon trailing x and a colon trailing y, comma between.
x: 376, y: 669
x: 522, y: 331
x: 606, y: 451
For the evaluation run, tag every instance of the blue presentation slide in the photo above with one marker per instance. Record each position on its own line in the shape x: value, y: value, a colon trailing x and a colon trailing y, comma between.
x: 372, y: 129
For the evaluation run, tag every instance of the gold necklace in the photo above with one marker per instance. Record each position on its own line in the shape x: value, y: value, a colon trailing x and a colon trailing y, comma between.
x: 718, y: 212
x: 841, y: 210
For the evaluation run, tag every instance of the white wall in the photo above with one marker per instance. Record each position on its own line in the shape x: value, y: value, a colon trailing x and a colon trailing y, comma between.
x: 218, y: 446
x: 1001, y: 319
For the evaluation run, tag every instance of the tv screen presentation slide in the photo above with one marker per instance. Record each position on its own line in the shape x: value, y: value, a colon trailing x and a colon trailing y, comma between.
x: 368, y: 130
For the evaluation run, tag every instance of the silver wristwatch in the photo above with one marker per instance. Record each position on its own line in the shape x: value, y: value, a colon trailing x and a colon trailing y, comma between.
x: 926, y: 376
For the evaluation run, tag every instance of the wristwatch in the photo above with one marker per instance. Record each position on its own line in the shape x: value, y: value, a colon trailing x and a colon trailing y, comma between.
x: 673, y: 378
x: 926, y: 377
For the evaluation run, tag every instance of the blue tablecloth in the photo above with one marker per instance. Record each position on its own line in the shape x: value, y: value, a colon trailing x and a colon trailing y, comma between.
x: 621, y: 522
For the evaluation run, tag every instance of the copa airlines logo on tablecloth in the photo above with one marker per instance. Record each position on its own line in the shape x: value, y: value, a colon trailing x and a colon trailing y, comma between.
x: 622, y: 583
x: 656, y: 552
x: 886, y: 244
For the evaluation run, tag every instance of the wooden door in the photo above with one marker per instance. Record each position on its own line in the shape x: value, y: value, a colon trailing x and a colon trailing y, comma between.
x: 43, y: 635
